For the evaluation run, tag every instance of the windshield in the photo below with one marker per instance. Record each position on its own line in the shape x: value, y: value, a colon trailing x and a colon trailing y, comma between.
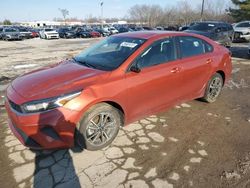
x: 23, y: 30
x: 10, y: 30
x: 203, y: 27
x: 110, y: 53
x: 49, y: 29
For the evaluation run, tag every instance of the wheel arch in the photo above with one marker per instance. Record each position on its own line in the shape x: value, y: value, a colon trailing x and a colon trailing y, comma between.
x: 222, y: 74
x: 112, y: 103
x: 117, y: 106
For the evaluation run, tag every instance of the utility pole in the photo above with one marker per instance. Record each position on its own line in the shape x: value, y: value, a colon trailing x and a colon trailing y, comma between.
x: 101, y: 13
x: 202, y: 10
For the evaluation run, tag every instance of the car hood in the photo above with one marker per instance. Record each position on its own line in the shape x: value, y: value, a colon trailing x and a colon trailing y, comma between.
x: 53, y: 81
x: 50, y: 32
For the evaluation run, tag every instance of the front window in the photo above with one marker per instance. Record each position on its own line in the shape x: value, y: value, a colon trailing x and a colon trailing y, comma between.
x: 159, y: 52
x: 110, y: 53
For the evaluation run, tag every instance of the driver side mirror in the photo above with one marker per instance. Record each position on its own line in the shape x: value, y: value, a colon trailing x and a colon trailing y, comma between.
x: 135, y: 68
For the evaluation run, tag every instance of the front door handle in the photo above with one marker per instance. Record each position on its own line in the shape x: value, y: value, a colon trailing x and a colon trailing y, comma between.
x: 176, y: 70
x: 209, y: 61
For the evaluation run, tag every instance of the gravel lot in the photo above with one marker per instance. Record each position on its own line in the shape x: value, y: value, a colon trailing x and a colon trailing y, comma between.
x: 194, y: 144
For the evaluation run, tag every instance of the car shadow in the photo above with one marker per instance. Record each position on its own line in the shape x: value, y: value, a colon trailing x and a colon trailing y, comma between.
x: 55, y: 168
x: 240, y: 51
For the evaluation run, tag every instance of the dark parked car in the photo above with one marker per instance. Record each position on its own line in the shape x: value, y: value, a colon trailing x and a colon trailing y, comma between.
x: 25, y: 33
x: 65, y: 32
x: 1, y: 32
x: 148, y: 28
x: 103, y: 32
x: 124, y: 30
x: 82, y: 32
x: 11, y: 34
x: 218, y: 31
x: 137, y: 28
x: 183, y: 28
x: 170, y: 28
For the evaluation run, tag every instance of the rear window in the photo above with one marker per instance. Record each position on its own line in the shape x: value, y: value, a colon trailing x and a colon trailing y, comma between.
x: 192, y: 46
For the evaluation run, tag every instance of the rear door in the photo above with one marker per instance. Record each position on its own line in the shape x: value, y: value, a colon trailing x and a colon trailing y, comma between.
x: 196, y: 62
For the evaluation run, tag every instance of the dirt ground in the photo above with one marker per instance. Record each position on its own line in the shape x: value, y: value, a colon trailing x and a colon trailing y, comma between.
x: 194, y: 144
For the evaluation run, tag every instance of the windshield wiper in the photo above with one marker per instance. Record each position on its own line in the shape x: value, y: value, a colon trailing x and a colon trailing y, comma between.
x: 84, y: 63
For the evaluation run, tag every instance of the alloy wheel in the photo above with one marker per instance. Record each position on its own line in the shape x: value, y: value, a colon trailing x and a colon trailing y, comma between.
x: 214, y: 88
x: 100, y: 129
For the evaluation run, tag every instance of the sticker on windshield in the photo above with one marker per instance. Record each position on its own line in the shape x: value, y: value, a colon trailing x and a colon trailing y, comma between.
x: 196, y: 44
x: 128, y: 44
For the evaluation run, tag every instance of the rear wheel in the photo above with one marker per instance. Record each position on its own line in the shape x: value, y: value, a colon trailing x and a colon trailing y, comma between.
x: 98, y: 127
x: 214, y: 88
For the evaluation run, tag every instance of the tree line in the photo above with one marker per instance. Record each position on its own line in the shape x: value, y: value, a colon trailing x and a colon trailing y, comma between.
x: 181, y: 14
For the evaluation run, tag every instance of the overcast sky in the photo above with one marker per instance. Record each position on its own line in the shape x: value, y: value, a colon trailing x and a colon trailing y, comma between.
x: 32, y: 10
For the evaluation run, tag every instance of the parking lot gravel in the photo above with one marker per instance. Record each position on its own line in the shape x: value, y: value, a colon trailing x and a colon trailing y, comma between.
x: 194, y: 144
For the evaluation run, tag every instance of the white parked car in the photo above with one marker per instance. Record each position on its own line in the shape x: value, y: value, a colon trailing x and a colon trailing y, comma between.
x: 48, y: 33
x: 113, y: 30
x: 242, y: 30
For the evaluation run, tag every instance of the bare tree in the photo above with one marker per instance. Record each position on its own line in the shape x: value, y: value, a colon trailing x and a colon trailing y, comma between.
x: 181, y: 14
x: 146, y: 14
x: 64, y: 13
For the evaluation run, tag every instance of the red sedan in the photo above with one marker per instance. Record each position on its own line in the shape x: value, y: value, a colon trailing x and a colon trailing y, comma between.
x: 119, y: 80
x: 93, y: 33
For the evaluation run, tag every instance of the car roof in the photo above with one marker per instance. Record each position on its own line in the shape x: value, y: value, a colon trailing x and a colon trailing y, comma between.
x: 148, y: 34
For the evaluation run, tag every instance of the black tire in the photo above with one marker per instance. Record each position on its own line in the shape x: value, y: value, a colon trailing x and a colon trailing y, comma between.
x: 213, y: 88
x: 90, y: 130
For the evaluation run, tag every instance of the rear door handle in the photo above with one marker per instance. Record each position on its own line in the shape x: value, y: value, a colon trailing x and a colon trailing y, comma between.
x: 209, y: 61
x: 176, y: 70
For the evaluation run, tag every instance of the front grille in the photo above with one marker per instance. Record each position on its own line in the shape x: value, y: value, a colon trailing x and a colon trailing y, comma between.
x: 15, y: 106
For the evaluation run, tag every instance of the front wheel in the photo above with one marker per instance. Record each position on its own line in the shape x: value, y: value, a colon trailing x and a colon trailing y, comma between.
x: 214, y: 88
x: 98, y: 127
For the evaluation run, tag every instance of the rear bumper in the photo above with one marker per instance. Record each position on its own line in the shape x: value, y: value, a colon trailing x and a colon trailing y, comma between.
x: 47, y: 130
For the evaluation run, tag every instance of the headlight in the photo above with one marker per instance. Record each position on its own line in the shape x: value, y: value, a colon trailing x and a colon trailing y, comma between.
x: 48, y: 104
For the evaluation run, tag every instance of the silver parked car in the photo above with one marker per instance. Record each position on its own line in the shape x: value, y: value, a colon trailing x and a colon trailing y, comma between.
x: 242, y: 30
x: 11, y: 34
